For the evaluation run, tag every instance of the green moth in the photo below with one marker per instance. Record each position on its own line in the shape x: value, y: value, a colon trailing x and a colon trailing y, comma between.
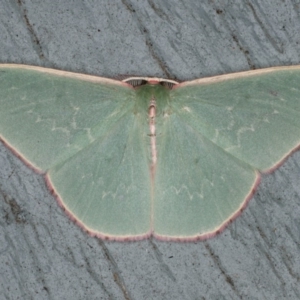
x: 148, y: 156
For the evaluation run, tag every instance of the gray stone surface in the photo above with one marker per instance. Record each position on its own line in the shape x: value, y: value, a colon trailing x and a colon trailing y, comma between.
x: 44, y: 255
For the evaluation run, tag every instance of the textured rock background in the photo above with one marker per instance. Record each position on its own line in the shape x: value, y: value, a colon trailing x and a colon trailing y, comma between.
x: 44, y: 255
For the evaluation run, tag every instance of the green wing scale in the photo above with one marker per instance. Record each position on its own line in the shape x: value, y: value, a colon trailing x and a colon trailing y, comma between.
x: 176, y: 161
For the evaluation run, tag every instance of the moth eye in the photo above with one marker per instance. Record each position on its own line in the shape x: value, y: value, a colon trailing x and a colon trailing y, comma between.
x: 167, y: 84
x: 136, y: 82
